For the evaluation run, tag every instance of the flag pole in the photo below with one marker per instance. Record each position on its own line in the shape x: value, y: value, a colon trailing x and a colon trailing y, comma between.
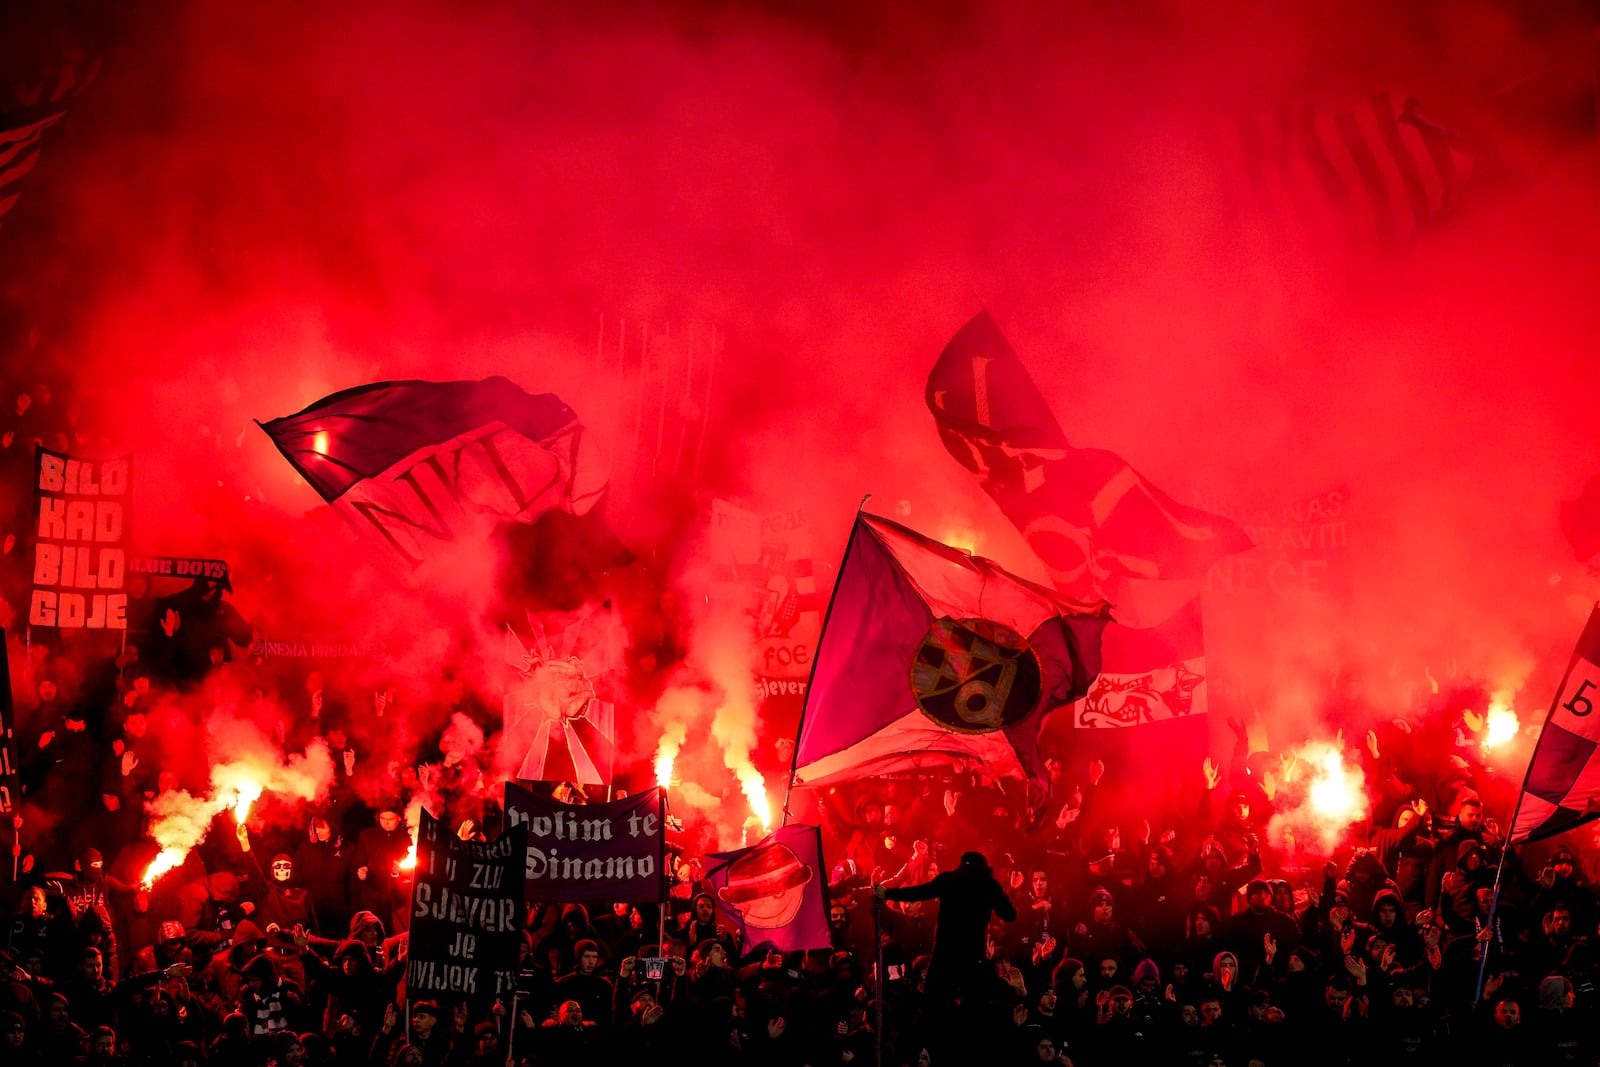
x: 878, y: 979
x: 1505, y: 848
x: 799, y: 729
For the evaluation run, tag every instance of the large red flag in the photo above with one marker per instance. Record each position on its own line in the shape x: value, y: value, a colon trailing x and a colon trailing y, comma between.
x: 1100, y: 528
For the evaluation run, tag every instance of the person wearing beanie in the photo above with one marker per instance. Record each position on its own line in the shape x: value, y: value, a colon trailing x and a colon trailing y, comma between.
x: 287, y: 1050
x: 1261, y: 937
x: 265, y: 998
x: 353, y: 985
x: 1104, y: 934
x: 15, y: 1048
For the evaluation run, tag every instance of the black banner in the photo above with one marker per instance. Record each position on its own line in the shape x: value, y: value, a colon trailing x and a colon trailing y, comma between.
x: 611, y: 853
x: 10, y: 785
x: 466, y: 914
x: 80, y: 561
x: 187, y: 568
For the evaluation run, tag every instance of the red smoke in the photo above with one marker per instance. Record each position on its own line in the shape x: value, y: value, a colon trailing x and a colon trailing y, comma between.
x: 255, y: 207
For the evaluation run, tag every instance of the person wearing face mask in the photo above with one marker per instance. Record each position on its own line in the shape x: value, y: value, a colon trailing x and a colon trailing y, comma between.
x: 281, y: 902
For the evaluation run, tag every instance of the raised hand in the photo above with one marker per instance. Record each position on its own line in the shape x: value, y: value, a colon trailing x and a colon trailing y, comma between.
x: 1270, y: 947
x: 1357, y: 969
x: 1097, y: 770
x: 170, y: 622
x: 1212, y: 772
x: 1019, y: 1015
x: 1372, y: 743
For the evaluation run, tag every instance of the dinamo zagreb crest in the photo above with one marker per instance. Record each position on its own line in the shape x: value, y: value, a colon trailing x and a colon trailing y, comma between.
x: 975, y: 676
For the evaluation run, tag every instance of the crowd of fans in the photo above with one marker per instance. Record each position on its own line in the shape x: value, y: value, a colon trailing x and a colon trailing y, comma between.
x: 1128, y: 924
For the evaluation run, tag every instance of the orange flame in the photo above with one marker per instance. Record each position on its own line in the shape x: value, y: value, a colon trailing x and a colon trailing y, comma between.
x: 164, y: 862
x: 410, y: 862
x: 755, y: 791
x: 1335, y: 794
x: 667, y: 752
x: 245, y: 794
x: 1500, y: 725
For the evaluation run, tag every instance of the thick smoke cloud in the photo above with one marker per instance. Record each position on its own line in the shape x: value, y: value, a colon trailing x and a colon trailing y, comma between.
x: 254, y: 207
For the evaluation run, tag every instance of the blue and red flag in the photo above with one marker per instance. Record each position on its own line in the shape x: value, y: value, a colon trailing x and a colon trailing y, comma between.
x: 932, y: 658
x: 417, y: 464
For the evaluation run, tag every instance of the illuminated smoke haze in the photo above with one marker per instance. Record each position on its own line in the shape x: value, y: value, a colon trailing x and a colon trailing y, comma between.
x: 256, y: 206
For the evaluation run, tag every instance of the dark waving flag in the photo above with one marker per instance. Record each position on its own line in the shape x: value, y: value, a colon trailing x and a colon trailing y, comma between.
x: 418, y: 464
x: 25, y: 117
x: 1562, y: 787
x: 934, y: 659
x: 1373, y: 173
x: 1100, y: 528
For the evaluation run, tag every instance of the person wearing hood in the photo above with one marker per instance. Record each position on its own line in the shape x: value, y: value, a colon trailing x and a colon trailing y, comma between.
x: 266, y: 999
x: 697, y: 925
x: 280, y: 901
x: 1458, y: 888
x: 959, y: 971
x: 351, y: 984
x: 322, y: 866
x: 1150, y: 1007
x: 1261, y: 937
x: 1104, y: 934
x: 1561, y: 1035
x: 1406, y: 852
x: 222, y: 980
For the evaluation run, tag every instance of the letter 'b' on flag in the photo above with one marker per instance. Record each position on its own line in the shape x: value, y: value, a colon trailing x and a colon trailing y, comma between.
x: 1562, y: 789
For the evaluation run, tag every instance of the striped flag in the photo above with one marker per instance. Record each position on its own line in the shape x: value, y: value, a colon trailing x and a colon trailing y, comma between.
x: 1562, y: 788
x: 34, y: 109
x: 415, y: 464
x: 1373, y: 174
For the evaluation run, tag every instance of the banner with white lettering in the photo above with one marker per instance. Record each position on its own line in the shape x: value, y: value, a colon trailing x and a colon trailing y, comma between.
x: 315, y: 648
x: 466, y: 913
x: 80, y: 552
x: 610, y: 853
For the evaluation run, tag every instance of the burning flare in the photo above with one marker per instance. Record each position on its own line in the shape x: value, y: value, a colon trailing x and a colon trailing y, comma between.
x: 1499, y: 725
x: 1336, y: 795
x: 667, y: 752
x: 755, y: 791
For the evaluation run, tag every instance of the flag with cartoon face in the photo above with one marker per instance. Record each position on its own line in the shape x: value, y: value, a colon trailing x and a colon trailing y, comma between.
x: 775, y: 891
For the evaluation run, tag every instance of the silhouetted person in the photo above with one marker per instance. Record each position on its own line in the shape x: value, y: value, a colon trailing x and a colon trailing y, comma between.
x: 966, y: 896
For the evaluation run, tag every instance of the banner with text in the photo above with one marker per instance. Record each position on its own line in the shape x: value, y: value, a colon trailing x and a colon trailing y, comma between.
x: 610, y: 853
x: 466, y: 913
x: 186, y: 568
x: 80, y: 552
